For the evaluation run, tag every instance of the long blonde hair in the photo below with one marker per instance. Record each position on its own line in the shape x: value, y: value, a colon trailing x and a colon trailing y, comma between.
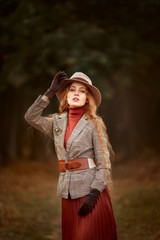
x: 90, y: 112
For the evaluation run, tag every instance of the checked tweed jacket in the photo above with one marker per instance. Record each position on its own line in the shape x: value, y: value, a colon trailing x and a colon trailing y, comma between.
x: 82, y: 143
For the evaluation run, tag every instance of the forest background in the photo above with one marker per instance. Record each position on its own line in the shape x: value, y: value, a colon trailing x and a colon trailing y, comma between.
x: 116, y: 43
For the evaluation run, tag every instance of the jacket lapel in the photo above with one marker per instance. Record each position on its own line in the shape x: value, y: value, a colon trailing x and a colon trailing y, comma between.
x: 78, y: 128
x: 61, y: 123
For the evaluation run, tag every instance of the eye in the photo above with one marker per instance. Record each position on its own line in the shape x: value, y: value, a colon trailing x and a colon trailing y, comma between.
x: 72, y: 89
x: 83, y: 91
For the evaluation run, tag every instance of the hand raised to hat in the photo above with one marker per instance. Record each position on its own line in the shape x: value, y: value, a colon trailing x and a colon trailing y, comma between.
x: 56, y: 84
x: 89, y: 202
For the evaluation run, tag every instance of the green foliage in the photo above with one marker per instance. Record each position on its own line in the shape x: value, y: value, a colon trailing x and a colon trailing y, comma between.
x: 116, y: 49
x: 116, y: 43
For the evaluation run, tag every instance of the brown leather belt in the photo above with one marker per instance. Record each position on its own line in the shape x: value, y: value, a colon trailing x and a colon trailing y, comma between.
x: 73, y: 164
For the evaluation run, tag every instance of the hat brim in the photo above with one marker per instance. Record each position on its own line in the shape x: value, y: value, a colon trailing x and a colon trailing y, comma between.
x: 93, y: 90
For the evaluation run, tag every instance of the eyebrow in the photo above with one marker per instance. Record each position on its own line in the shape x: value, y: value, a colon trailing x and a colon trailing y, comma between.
x: 80, y: 87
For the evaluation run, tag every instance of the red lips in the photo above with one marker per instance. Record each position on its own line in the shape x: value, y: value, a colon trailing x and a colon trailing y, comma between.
x: 75, y: 99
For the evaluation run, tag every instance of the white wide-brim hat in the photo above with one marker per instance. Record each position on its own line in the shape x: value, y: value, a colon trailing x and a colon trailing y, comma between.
x: 82, y: 78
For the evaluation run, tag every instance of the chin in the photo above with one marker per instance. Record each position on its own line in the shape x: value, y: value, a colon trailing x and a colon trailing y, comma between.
x: 76, y: 105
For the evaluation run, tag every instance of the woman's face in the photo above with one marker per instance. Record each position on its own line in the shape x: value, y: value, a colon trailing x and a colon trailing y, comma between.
x: 77, y: 95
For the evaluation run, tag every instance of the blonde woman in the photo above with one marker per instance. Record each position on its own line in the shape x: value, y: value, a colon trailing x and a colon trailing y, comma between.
x: 83, y: 152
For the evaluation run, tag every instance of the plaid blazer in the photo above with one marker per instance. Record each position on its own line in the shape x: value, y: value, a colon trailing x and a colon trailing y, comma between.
x: 82, y: 143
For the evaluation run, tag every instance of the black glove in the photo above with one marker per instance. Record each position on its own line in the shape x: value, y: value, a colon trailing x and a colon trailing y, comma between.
x: 89, y: 202
x: 56, y: 84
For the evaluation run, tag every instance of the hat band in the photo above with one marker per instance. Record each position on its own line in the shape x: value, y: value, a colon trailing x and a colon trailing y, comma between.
x: 83, y: 80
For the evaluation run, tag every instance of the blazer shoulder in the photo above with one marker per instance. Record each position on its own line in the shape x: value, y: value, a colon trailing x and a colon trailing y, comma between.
x: 58, y: 116
x: 93, y: 125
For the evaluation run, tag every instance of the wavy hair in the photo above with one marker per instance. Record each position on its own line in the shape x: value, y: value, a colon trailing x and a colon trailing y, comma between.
x: 90, y: 112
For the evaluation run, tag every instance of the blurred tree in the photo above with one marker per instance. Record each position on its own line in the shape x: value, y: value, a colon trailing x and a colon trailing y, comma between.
x: 116, y: 44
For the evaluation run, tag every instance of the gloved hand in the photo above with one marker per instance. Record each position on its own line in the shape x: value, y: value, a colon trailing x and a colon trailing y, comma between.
x: 56, y: 84
x: 89, y: 202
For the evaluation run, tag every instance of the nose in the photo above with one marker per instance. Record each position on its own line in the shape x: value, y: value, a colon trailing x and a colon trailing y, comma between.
x: 76, y: 94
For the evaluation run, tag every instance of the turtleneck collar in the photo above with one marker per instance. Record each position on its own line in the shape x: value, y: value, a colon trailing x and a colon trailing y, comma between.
x: 75, y: 113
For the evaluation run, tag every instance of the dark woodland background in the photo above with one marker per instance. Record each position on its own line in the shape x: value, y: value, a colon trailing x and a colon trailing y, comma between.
x: 117, y: 44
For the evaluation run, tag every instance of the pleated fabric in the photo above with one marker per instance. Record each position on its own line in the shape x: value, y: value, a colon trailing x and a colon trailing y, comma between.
x: 97, y: 225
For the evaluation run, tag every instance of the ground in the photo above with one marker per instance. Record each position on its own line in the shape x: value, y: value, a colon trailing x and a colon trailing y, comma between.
x: 31, y: 210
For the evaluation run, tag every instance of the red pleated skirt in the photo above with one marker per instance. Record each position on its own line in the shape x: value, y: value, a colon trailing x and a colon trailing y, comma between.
x: 97, y: 225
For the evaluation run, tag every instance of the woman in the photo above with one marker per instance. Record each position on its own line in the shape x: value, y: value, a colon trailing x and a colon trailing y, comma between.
x: 82, y: 148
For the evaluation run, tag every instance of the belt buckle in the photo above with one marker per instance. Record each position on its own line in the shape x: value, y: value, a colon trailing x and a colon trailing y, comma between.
x: 66, y: 166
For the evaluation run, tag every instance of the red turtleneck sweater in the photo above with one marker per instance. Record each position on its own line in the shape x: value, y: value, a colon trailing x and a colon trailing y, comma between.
x: 74, y: 116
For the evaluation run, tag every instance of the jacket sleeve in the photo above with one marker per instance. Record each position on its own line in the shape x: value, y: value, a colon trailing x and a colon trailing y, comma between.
x: 103, y: 165
x: 34, y: 118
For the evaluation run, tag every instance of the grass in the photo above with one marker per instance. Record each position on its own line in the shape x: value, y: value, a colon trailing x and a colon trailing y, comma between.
x: 138, y: 213
x: 30, y: 209
x: 136, y: 198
